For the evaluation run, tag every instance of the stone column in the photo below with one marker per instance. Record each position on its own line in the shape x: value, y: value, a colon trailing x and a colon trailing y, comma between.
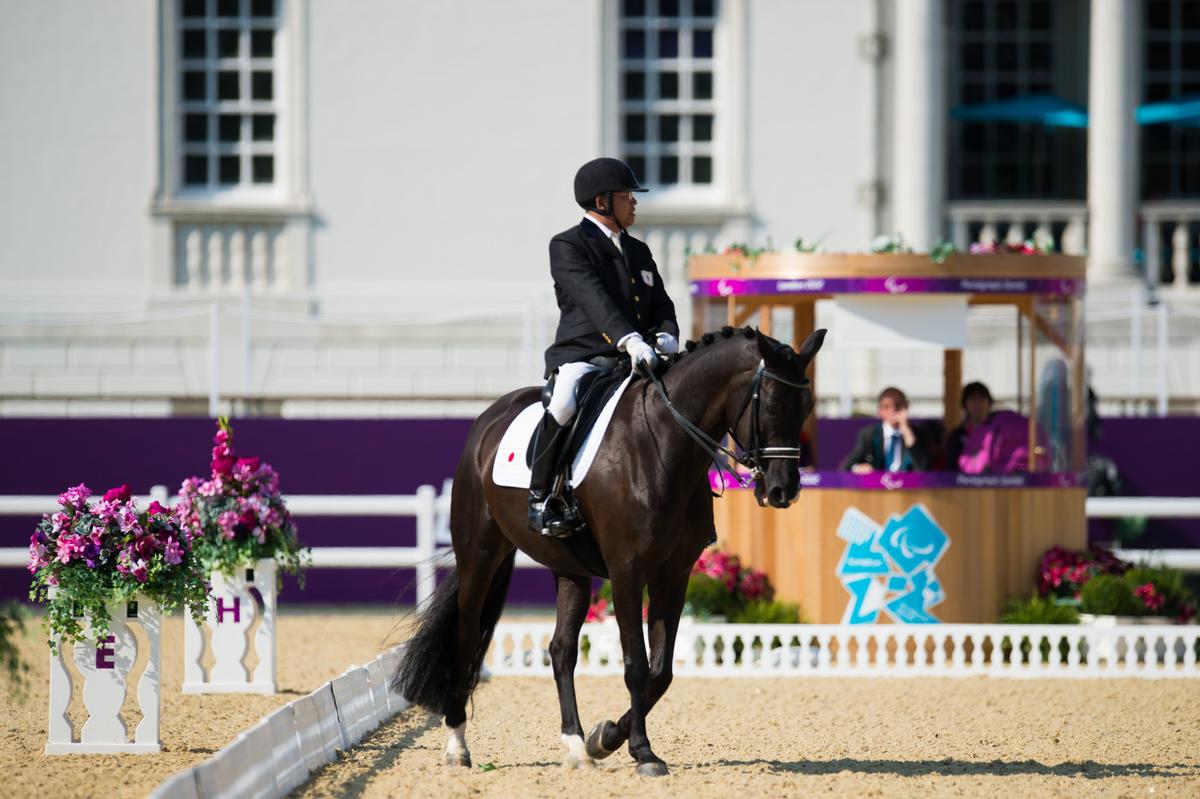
x: 1114, y: 77
x: 920, y: 109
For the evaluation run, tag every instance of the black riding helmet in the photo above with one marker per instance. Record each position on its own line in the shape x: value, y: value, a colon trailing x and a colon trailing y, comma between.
x: 603, y: 176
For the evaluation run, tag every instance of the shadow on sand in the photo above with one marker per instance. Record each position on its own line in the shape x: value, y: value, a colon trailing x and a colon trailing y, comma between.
x: 1088, y: 769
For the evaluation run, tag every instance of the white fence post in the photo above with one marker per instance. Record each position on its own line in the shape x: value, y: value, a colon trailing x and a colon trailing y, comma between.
x: 426, y: 543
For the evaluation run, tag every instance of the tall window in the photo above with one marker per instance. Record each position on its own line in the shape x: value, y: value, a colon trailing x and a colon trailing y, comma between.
x: 668, y: 95
x: 228, y: 107
x: 1171, y: 71
x: 1005, y: 49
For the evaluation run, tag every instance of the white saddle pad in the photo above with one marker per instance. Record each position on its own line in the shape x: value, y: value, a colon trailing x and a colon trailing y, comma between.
x: 509, y: 469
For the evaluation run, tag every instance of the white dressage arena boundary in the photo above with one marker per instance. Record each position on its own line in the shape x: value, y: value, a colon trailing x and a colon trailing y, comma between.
x: 879, y: 650
x: 277, y: 755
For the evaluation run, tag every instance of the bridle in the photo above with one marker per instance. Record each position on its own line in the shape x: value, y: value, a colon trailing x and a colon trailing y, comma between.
x: 752, y: 457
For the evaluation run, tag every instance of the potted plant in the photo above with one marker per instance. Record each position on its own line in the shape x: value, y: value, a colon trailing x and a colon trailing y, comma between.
x: 97, y: 566
x: 1140, y: 595
x: 244, y: 535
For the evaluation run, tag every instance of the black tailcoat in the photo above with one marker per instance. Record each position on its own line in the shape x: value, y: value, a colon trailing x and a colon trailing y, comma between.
x: 604, y: 294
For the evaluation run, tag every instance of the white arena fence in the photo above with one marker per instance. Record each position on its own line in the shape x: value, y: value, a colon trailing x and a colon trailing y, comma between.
x: 277, y: 755
x: 837, y: 650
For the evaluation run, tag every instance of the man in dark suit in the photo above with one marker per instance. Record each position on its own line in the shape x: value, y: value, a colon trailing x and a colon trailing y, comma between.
x: 891, y: 444
x: 611, y: 301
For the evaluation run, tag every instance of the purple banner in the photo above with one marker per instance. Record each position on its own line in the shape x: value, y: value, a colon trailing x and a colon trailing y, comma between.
x: 726, y: 287
x: 893, y: 481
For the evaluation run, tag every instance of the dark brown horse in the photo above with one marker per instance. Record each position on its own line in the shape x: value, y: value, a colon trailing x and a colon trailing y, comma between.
x: 646, y: 501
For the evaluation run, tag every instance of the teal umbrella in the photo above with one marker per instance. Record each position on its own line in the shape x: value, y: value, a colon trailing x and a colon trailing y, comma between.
x: 1043, y: 109
x: 1179, y: 111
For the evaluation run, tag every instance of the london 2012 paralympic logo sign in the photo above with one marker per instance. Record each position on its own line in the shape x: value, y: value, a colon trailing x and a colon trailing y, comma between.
x: 890, y: 569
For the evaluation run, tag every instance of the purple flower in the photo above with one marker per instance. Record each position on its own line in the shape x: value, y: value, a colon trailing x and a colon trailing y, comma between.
x: 140, y: 571
x: 173, y: 552
x: 75, y: 497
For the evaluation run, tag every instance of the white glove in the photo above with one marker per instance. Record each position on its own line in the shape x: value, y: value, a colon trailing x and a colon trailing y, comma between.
x: 666, y: 344
x: 638, y: 350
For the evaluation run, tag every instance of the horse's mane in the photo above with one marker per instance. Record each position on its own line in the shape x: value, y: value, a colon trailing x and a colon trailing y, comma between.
x: 726, y: 333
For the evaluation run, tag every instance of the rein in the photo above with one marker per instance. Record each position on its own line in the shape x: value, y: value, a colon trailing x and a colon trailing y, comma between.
x: 754, y: 454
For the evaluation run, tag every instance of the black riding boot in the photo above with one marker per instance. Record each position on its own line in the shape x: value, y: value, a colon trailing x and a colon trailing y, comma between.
x: 549, y: 513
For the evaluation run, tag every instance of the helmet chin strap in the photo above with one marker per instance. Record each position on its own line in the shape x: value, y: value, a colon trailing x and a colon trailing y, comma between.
x: 608, y: 211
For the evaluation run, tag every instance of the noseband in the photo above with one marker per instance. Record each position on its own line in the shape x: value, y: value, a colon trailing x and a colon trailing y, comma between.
x: 752, y: 456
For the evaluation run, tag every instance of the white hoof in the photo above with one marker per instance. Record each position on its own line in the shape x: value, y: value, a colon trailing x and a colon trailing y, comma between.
x: 577, y: 756
x: 456, y: 754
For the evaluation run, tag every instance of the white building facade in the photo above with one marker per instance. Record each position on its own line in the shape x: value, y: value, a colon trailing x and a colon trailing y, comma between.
x: 303, y: 207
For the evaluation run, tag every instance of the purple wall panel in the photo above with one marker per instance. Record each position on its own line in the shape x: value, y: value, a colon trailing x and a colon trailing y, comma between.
x: 43, y: 456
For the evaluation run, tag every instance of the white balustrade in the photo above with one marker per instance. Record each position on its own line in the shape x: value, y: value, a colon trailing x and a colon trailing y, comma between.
x: 1170, y: 222
x: 230, y: 256
x: 105, y: 667
x: 1015, y: 221
x: 943, y: 650
x: 232, y: 611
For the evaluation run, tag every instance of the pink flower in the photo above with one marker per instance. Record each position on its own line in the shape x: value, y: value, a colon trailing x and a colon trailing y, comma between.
x: 75, y: 497
x: 227, y: 521
x: 753, y: 584
x: 119, y: 494
x: 59, y: 522
x: 1149, y: 596
x: 598, y: 610
x: 156, y: 509
x: 70, y: 546
x: 140, y: 571
x: 107, y: 510
x: 173, y: 552
x: 127, y: 518
x: 37, y: 555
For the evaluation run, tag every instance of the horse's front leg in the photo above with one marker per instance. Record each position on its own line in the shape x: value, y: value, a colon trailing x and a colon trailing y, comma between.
x: 666, y: 605
x: 573, y: 593
x: 627, y: 586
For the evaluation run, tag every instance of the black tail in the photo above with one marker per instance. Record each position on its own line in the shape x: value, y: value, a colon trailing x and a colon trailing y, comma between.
x: 426, y: 671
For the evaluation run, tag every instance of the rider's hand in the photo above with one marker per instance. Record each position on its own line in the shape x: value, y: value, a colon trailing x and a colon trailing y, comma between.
x: 666, y: 344
x: 638, y: 350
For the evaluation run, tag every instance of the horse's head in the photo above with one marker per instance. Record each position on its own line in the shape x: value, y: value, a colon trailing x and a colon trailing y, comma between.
x: 779, y: 399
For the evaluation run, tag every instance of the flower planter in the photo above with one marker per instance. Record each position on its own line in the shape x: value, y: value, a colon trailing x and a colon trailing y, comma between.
x: 105, y: 668
x: 232, y: 610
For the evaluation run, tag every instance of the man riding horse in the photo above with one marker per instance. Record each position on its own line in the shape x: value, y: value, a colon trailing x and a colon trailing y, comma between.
x: 611, y: 300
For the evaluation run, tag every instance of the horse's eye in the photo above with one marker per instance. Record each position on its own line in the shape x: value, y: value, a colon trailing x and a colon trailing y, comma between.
x: 772, y: 408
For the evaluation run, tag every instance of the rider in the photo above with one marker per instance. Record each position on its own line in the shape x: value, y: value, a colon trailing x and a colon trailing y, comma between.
x: 612, y: 301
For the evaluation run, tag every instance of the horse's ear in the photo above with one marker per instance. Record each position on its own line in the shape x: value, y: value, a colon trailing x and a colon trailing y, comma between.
x: 810, y: 348
x: 773, y: 353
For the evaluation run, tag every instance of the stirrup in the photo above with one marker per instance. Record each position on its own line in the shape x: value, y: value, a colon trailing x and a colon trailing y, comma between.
x: 544, y: 519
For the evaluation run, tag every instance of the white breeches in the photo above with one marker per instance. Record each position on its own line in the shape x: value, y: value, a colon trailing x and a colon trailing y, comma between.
x: 562, y: 401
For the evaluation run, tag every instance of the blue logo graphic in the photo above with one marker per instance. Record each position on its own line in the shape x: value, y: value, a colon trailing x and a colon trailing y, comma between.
x: 890, y: 569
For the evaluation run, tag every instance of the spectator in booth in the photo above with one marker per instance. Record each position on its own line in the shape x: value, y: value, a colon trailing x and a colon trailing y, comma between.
x: 892, y: 444
x: 976, y: 403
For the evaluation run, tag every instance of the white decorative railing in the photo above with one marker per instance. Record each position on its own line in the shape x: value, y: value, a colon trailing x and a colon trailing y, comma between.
x: 1172, y: 224
x: 1015, y: 221
x: 231, y: 256
x: 834, y: 650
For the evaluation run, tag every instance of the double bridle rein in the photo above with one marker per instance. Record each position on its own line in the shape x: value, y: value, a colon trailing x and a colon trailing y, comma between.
x: 752, y: 457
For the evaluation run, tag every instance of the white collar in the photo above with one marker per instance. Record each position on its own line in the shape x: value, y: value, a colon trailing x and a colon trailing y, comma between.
x: 615, y: 238
x: 888, y: 430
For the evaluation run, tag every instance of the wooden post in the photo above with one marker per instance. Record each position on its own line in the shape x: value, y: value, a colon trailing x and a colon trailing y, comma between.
x: 951, y: 388
x: 1030, y: 311
x: 804, y: 320
x: 1079, y: 400
x: 764, y: 318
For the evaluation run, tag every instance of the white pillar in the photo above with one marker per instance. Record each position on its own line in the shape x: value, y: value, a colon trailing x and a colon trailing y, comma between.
x: 920, y: 108
x: 1113, y: 89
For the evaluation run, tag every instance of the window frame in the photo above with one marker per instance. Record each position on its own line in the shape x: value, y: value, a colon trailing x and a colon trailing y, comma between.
x: 289, y: 189
x: 726, y: 194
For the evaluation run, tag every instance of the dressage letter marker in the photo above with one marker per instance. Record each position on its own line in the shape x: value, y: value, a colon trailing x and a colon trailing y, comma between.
x: 227, y: 630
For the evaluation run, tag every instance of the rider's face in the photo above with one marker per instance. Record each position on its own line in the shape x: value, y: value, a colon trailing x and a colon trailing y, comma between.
x: 624, y: 207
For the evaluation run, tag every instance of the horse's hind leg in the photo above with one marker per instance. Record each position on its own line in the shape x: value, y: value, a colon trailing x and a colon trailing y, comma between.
x: 484, y: 568
x: 573, y: 593
x: 666, y: 605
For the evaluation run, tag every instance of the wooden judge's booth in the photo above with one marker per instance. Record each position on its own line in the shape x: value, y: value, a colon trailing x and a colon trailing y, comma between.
x: 991, y: 528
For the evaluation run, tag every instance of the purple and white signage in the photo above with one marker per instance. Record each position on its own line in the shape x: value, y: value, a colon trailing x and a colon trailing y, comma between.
x: 894, y: 284
x: 895, y: 481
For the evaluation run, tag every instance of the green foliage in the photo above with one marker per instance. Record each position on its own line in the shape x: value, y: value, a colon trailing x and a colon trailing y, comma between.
x: 940, y: 251
x: 707, y: 597
x: 761, y: 611
x: 1038, y: 610
x: 807, y: 246
x: 1108, y: 595
x: 1128, y: 529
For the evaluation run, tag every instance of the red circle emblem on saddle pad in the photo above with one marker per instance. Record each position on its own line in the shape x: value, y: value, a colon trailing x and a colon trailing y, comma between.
x: 510, y: 456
